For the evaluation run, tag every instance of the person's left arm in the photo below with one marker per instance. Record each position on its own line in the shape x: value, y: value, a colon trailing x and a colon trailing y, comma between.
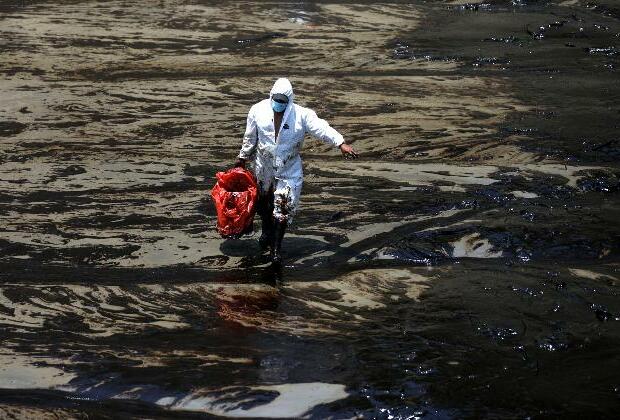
x: 250, y: 139
x: 320, y: 129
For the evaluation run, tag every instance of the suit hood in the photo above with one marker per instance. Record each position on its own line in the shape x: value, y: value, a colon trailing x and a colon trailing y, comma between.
x: 284, y: 87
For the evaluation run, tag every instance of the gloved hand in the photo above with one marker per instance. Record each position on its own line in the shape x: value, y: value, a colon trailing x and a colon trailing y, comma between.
x: 240, y: 163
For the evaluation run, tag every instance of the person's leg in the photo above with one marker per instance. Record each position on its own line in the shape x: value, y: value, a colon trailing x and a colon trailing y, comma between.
x: 286, y: 200
x: 278, y: 235
x: 264, y: 209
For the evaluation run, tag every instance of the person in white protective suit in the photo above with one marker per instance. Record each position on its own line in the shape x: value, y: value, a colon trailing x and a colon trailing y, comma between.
x: 274, y: 136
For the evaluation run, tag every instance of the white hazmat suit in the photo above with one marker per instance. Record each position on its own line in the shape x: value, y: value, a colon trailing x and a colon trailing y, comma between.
x: 277, y: 162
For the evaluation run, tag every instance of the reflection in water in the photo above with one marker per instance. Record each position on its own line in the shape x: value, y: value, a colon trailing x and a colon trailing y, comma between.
x: 267, y: 335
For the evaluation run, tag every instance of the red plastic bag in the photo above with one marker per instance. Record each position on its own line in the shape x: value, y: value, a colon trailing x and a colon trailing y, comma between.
x: 235, y: 195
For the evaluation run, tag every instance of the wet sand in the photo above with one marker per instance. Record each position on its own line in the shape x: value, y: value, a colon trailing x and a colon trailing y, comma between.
x: 465, y: 266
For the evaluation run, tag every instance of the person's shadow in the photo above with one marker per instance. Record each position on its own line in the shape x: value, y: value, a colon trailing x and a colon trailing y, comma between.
x: 257, y: 264
x: 293, y: 248
x: 242, y: 247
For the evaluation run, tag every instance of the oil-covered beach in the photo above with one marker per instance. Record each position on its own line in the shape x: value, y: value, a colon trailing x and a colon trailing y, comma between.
x: 465, y: 266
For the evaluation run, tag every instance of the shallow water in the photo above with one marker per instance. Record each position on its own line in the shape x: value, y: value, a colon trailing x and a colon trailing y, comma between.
x: 465, y: 266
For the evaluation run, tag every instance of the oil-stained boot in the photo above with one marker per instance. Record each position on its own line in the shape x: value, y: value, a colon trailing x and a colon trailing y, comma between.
x: 278, y: 235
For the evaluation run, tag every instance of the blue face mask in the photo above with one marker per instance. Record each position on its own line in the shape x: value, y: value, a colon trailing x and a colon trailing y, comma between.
x: 277, y: 106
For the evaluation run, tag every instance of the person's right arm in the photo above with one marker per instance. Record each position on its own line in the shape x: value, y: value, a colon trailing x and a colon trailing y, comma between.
x: 250, y: 138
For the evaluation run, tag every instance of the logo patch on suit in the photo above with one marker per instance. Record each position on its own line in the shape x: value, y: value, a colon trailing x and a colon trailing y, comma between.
x: 285, y: 127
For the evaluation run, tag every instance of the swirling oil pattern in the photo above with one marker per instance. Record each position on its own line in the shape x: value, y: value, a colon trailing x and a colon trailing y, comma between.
x: 466, y: 266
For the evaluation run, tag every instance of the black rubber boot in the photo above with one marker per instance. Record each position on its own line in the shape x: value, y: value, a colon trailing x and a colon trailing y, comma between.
x: 278, y: 235
x: 265, y: 210
x: 266, y: 237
